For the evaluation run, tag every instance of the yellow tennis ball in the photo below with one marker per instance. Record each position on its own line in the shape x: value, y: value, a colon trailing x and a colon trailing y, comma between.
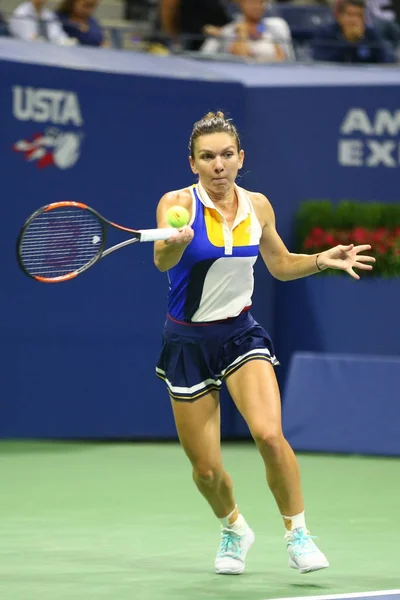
x: 177, y: 216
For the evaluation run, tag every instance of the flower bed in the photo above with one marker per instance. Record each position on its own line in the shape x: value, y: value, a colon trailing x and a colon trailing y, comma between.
x: 321, y: 225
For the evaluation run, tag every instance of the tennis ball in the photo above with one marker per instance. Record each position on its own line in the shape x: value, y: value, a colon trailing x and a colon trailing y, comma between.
x: 177, y: 216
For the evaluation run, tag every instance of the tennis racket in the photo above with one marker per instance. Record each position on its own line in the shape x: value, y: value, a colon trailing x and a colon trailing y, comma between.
x: 62, y: 240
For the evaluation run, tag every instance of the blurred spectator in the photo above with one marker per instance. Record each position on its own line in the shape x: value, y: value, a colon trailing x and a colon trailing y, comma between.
x: 253, y: 35
x: 31, y: 21
x: 78, y: 22
x: 188, y: 18
x: 3, y: 26
x: 348, y: 39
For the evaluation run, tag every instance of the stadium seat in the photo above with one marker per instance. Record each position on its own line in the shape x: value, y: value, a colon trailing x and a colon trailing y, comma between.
x: 302, y: 20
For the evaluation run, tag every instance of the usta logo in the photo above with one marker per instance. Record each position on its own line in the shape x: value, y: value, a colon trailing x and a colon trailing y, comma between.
x: 53, y: 146
x: 44, y: 106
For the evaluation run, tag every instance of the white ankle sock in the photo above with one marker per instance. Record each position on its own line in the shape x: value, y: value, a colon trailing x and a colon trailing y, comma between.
x: 239, y: 526
x: 295, y: 521
x: 225, y: 520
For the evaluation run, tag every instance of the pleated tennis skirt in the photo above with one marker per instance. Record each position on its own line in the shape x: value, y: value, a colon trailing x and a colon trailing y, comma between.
x: 196, y: 357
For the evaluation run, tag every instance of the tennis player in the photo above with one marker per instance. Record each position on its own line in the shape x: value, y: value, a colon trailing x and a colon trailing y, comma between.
x: 211, y: 337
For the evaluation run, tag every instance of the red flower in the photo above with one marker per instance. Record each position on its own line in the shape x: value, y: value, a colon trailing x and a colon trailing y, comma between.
x: 380, y: 248
x: 379, y: 234
x: 317, y: 232
x: 309, y: 243
x: 360, y: 235
x: 329, y: 239
x: 382, y: 239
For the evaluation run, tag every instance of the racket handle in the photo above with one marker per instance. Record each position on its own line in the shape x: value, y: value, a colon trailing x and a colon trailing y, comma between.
x: 153, y: 235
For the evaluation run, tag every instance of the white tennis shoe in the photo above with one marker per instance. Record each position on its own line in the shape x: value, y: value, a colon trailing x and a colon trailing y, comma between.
x: 230, y: 559
x: 303, y: 552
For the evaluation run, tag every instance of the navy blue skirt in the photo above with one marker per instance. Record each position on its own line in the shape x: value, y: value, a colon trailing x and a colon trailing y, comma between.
x: 195, y: 358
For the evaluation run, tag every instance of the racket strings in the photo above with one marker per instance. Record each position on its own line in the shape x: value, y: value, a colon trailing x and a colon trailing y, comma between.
x: 61, y: 241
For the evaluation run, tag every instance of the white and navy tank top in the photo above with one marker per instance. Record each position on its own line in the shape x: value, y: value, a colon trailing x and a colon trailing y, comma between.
x: 214, y: 279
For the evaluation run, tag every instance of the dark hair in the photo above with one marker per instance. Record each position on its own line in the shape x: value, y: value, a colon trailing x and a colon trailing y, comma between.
x: 213, y: 123
x: 66, y: 7
x: 342, y: 4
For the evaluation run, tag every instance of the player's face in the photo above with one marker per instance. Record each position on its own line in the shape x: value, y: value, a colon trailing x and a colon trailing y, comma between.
x: 216, y: 161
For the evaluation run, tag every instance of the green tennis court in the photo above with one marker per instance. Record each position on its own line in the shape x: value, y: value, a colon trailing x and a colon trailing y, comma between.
x: 89, y: 521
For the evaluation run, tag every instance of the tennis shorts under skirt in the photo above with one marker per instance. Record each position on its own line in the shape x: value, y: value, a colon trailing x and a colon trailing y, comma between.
x: 196, y: 358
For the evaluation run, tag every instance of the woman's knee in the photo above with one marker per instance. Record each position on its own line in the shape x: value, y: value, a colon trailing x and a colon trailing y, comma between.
x: 207, y: 472
x: 269, y: 438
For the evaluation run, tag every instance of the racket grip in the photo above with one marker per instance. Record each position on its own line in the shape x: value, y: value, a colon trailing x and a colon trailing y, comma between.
x: 153, y: 235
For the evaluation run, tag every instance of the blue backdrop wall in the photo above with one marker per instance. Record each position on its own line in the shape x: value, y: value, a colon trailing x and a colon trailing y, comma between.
x: 78, y: 358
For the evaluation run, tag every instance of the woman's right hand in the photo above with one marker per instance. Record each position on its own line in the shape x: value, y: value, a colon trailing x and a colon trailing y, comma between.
x: 168, y: 253
x: 183, y: 236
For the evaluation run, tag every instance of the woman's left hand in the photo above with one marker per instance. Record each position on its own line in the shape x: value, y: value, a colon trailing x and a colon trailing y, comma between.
x: 346, y: 258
